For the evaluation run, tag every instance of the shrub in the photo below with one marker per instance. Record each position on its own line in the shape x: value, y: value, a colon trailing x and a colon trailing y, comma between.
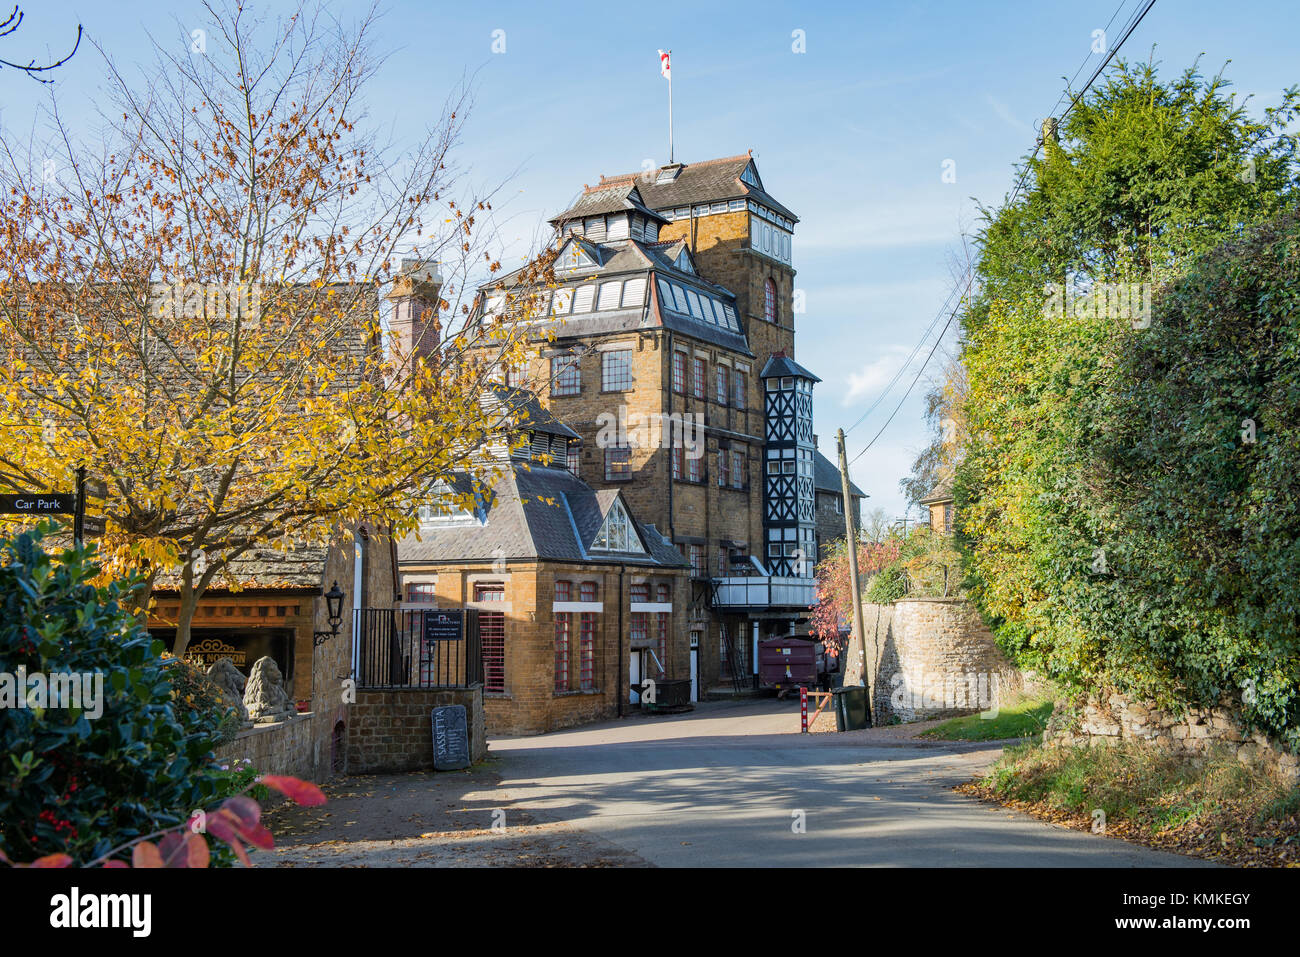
x: 192, y: 690
x: 925, y: 566
x: 82, y: 783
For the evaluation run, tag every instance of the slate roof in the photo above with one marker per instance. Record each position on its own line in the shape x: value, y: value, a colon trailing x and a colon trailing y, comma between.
x: 826, y: 477
x: 539, y: 513
x: 624, y: 259
x: 534, y: 417
x: 614, y: 198
x: 942, y: 492
x: 704, y: 182
x: 780, y: 364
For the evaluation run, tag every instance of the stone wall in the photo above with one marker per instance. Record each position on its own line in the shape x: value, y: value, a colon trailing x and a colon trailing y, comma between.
x: 934, y: 658
x: 285, y: 747
x: 393, y: 730
x: 1117, y: 718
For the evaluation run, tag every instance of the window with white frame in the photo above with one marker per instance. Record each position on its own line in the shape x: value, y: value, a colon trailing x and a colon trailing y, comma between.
x: 611, y: 294
x: 617, y: 534
x: 583, y: 298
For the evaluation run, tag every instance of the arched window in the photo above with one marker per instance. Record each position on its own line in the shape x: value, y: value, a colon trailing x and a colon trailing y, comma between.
x: 769, y: 305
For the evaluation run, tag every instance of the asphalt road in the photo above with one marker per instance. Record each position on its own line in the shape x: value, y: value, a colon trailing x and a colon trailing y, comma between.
x: 731, y: 783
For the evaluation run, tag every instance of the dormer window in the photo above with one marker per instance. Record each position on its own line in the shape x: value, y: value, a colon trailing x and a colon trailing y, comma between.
x: 444, y: 510
x: 618, y: 533
x: 617, y: 227
x: 750, y: 176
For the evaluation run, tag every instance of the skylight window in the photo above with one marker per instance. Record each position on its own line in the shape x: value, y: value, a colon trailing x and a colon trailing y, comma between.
x: 617, y: 533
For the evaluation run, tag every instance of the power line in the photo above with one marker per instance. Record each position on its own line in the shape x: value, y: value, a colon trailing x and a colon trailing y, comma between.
x: 1130, y: 25
x: 915, y: 379
x: 1104, y: 30
x: 906, y: 363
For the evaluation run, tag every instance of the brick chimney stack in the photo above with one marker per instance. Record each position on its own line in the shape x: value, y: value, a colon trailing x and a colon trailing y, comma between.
x: 415, y: 296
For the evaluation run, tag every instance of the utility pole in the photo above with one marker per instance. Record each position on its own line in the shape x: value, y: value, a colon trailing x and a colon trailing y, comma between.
x: 857, y: 646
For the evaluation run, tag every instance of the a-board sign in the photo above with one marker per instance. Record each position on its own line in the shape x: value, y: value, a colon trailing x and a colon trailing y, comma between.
x: 38, y: 503
x: 442, y: 625
x: 450, y: 738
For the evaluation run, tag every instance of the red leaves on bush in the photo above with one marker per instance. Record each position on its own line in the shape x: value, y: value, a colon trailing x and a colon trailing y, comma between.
x: 236, y: 822
x: 145, y: 854
x: 295, y: 789
x: 240, y: 818
x: 183, y: 850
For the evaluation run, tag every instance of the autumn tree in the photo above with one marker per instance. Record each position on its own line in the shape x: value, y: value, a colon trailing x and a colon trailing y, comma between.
x: 192, y: 309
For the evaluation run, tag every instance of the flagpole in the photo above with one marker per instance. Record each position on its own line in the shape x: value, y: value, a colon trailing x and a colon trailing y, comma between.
x: 670, y: 111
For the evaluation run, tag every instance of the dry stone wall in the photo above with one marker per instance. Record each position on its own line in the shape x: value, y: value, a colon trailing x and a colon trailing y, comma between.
x: 1115, y: 717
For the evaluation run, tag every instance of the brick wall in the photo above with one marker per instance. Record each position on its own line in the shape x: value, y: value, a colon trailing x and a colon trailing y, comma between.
x: 935, y: 658
x: 393, y: 730
x: 720, y: 244
x: 530, y: 703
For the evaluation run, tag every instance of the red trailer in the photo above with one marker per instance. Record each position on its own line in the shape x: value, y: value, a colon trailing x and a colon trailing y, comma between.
x: 787, y: 664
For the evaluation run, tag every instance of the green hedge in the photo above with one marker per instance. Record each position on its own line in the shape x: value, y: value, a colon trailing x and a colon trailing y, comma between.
x: 75, y: 782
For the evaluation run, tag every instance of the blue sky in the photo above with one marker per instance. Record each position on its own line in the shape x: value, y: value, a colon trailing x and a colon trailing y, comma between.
x: 852, y: 134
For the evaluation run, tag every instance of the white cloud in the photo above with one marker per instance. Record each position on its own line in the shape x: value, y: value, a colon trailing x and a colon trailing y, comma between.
x: 871, y: 378
x: 1004, y: 113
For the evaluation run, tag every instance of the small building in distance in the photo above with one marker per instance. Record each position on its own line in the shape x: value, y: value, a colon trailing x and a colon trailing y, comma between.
x: 940, y: 505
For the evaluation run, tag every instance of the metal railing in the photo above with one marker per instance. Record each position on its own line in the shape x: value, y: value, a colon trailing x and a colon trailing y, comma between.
x: 763, y: 591
x: 404, y: 648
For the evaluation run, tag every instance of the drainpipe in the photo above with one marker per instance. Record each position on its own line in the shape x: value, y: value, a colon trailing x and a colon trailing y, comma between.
x: 672, y: 532
x: 618, y: 675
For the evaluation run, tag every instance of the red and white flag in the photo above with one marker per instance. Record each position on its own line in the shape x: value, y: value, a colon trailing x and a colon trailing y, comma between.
x: 664, y: 62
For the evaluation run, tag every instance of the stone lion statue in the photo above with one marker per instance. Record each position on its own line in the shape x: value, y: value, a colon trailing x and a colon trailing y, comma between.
x: 230, y: 683
x: 264, y: 695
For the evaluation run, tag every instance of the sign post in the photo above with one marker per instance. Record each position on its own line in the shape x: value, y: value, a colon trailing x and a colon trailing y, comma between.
x: 79, y: 516
x: 38, y: 503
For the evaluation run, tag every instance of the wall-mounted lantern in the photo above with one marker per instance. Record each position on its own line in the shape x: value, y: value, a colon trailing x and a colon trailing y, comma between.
x: 334, y: 609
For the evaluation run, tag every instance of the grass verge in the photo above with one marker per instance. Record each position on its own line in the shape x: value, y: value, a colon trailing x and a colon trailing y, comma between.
x: 1217, y: 808
x: 1019, y: 720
